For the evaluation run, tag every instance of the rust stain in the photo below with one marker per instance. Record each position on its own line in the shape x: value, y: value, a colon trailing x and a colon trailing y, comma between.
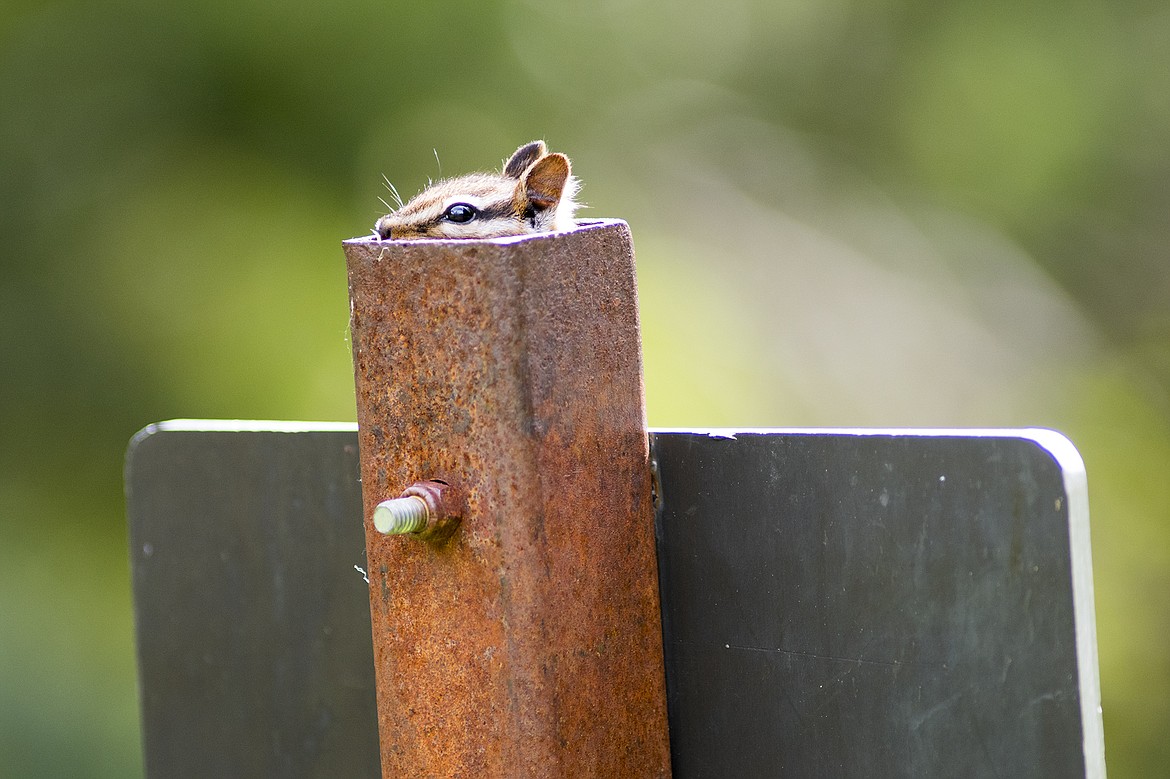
x: 529, y: 642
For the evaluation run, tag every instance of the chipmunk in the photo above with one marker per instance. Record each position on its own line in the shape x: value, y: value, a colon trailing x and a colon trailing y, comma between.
x: 535, y: 193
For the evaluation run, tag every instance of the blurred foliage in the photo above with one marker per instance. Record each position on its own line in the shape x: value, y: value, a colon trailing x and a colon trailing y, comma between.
x: 883, y: 213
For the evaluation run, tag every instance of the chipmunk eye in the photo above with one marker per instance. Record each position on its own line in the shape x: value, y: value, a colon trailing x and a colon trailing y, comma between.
x: 460, y: 213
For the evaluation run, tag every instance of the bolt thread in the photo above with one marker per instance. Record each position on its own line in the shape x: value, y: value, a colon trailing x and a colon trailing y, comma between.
x: 401, y: 515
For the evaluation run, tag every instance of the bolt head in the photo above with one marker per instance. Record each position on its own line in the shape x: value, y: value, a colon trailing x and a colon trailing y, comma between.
x: 445, y: 504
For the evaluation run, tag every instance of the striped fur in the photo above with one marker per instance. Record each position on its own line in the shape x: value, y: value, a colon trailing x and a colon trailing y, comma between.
x: 535, y: 193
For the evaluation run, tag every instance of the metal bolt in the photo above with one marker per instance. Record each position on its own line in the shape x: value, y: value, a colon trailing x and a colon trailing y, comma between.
x: 429, y: 510
x: 401, y: 515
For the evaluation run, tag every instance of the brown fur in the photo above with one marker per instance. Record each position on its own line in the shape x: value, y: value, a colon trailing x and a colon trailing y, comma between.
x: 535, y: 193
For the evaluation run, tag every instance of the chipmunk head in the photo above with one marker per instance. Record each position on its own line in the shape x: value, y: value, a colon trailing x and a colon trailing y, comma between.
x: 533, y: 194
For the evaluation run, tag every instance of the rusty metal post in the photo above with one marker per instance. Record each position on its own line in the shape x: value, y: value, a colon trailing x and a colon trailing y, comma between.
x: 529, y: 642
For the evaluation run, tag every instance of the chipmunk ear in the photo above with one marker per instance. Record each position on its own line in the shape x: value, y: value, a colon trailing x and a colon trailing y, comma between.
x: 523, y: 157
x: 545, y: 181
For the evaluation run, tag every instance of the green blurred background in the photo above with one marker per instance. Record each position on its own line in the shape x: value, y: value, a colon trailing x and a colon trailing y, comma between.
x: 846, y: 213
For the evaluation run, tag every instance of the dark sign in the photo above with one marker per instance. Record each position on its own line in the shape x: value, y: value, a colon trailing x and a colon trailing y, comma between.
x: 835, y: 603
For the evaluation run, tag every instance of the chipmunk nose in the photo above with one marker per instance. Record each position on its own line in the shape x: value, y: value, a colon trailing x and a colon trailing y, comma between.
x: 384, y: 230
